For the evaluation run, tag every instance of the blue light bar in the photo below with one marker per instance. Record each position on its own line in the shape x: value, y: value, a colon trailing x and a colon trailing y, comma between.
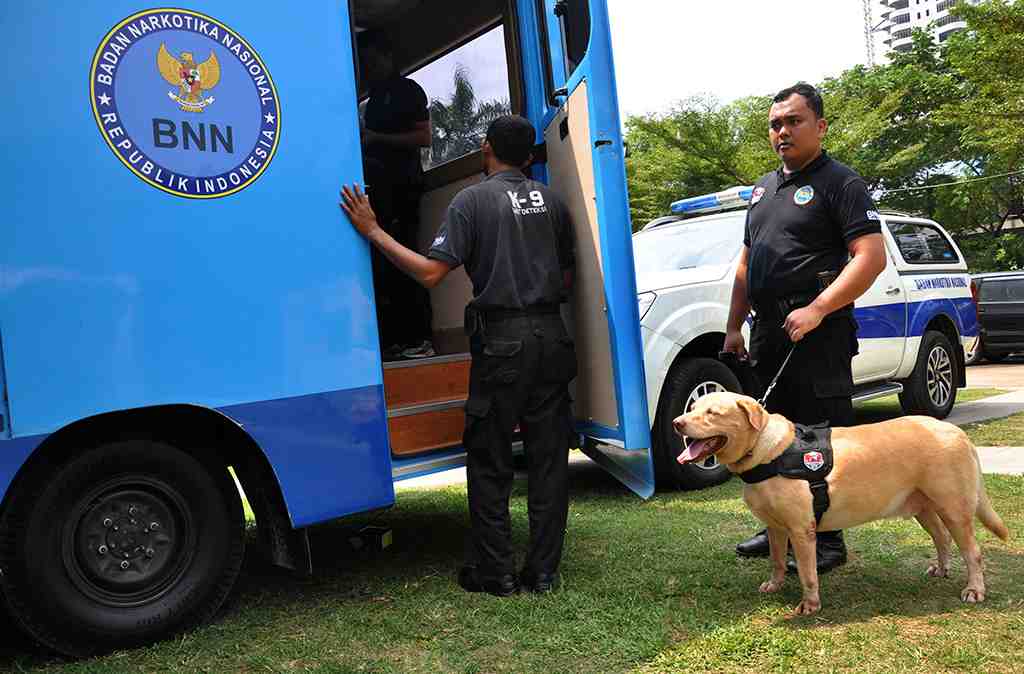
x: 719, y: 201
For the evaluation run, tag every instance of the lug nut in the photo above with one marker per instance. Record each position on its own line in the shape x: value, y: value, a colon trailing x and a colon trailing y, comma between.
x: 131, y: 510
x: 154, y: 525
x: 150, y: 553
x: 107, y: 522
x: 102, y: 550
x: 124, y: 565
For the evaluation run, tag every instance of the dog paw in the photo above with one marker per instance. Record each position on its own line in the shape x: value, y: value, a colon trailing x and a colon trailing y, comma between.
x: 807, y: 607
x: 972, y: 595
x: 936, y: 571
x: 770, y: 586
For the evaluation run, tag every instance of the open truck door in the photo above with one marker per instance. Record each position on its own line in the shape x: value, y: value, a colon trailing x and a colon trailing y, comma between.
x: 574, y: 101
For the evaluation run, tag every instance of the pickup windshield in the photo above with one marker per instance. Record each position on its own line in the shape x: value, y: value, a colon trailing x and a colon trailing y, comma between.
x: 690, y: 244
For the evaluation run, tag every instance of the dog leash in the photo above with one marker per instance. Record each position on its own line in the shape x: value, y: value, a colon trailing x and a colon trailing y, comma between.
x: 775, y: 379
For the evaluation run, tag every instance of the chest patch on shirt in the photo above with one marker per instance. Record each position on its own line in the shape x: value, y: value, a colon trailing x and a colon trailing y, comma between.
x: 803, y: 196
x: 756, y: 196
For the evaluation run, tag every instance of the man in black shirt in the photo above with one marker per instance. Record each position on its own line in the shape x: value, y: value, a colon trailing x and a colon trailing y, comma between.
x: 515, y: 238
x: 805, y: 220
x: 396, y: 124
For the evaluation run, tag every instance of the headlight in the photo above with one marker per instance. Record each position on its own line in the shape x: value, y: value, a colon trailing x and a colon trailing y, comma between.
x: 645, y: 300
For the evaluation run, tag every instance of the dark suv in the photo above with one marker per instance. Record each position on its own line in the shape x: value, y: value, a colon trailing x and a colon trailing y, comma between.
x: 1001, y: 313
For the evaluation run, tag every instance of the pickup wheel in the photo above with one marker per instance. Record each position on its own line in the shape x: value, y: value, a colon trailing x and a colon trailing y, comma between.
x: 931, y: 388
x: 686, y: 382
x: 122, y: 545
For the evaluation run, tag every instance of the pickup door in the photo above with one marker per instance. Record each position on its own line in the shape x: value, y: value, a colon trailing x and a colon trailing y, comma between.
x: 881, y: 315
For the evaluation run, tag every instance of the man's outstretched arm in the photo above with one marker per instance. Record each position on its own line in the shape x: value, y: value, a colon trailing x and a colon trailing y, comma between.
x: 425, y: 271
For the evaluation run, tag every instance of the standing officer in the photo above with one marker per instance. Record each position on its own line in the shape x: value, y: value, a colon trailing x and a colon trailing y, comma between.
x: 805, y: 219
x: 396, y: 124
x: 515, y: 238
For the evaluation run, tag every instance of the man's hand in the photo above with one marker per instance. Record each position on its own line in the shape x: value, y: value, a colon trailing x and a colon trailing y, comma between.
x: 801, y: 321
x: 734, y: 344
x: 357, y: 207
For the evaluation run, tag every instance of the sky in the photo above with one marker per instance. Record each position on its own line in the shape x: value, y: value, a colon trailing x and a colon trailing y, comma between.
x: 668, y: 50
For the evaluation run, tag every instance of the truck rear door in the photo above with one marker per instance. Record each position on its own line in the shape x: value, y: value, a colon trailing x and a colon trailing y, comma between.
x: 571, y: 96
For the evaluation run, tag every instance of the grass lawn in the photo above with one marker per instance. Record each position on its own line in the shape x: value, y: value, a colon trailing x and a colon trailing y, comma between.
x: 648, y: 587
x: 999, y: 432
x: 888, y: 407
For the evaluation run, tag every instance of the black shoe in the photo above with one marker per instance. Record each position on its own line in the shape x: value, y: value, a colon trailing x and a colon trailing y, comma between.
x: 505, y: 585
x: 831, y: 552
x: 539, y: 583
x: 756, y: 546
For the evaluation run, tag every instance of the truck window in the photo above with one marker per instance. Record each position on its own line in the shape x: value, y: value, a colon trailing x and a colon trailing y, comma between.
x: 574, y: 18
x: 1002, y: 290
x: 921, y: 243
x: 467, y: 88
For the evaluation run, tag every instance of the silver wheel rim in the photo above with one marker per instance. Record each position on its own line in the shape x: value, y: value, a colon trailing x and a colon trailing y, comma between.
x: 939, y: 377
x: 698, y: 391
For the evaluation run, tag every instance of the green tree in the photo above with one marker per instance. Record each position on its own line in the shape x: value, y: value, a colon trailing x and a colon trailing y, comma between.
x: 699, y: 146
x: 459, y: 125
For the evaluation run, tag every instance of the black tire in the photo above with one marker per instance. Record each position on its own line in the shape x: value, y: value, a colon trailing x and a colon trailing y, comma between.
x: 687, y: 381
x: 85, y: 570
x: 996, y: 357
x: 931, y: 388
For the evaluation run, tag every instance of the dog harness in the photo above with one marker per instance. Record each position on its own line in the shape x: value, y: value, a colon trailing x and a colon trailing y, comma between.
x: 808, y: 457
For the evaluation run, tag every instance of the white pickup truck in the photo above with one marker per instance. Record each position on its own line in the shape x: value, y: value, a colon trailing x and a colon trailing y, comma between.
x: 914, y: 323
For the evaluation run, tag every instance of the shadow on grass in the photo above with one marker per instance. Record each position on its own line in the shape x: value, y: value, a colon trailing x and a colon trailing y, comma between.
x: 639, y: 574
x: 871, y: 585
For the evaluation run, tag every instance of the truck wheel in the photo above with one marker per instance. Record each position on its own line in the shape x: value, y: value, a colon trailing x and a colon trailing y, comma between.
x: 122, y: 545
x: 686, y: 383
x: 931, y: 388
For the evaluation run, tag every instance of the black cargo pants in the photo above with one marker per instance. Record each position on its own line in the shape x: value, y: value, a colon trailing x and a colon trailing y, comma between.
x: 817, y: 384
x: 519, y: 376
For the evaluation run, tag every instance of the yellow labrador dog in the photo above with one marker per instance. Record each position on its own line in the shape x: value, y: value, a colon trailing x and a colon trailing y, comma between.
x: 912, y: 466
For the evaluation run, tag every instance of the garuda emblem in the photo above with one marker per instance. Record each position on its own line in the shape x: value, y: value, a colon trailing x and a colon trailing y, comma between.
x: 193, y: 80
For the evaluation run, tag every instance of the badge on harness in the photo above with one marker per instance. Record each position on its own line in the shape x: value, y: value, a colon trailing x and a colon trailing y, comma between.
x: 813, y: 460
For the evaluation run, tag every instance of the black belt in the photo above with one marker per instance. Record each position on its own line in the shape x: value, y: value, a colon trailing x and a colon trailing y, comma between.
x: 533, y: 310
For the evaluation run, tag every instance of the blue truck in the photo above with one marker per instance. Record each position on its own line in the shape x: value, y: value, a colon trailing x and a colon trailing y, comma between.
x: 182, y: 304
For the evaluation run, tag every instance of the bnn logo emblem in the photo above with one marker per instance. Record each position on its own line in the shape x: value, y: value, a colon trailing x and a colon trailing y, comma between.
x: 185, y: 103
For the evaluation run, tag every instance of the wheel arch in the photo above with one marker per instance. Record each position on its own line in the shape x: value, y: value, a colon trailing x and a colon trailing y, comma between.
x: 944, y: 323
x: 205, y: 433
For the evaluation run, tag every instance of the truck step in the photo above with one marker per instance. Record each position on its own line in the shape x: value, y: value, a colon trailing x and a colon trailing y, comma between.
x: 425, y: 402
x: 872, y: 391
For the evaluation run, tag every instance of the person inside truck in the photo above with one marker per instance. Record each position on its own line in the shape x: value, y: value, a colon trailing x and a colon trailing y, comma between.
x: 805, y: 219
x: 395, y: 125
x: 515, y: 238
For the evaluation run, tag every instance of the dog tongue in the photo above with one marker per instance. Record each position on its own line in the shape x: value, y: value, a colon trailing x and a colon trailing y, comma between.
x: 698, y: 449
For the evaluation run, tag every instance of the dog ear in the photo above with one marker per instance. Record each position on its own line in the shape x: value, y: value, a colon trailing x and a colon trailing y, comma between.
x: 755, y: 413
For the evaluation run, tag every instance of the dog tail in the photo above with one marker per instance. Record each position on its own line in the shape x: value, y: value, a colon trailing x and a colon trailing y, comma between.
x: 988, y: 516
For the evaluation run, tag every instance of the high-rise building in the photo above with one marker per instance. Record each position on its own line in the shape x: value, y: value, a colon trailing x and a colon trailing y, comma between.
x: 901, y: 17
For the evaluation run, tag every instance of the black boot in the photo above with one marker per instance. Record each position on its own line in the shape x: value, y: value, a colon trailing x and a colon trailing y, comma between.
x: 756, y: 546
x: 470, y: 580
x: 831, y: 552
x: 539, y: 583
